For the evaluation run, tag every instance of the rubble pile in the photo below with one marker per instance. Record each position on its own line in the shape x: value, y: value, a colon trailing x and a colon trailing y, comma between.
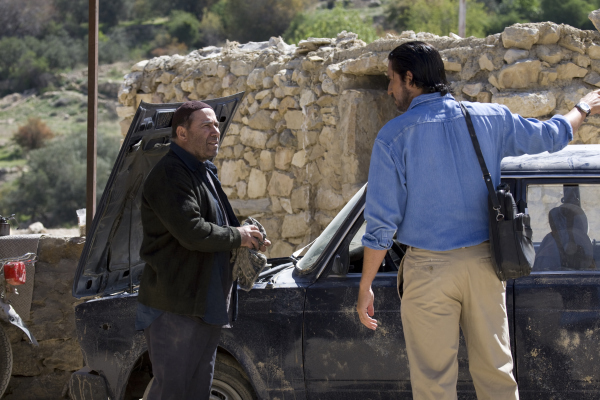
x: 299, y: 146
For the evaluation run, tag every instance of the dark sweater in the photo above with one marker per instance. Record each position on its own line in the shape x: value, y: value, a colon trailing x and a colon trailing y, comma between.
x: 181, y: 235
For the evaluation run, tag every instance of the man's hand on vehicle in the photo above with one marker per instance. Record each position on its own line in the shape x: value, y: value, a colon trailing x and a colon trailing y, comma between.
x: 365, y: 308
x: 252, y: 238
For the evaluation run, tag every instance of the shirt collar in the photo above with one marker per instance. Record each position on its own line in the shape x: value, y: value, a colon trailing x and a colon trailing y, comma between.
x: 429, y: 98
x: 190, y: 161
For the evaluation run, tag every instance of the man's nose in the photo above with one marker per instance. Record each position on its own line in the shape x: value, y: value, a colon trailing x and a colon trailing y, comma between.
x: 390, y: 92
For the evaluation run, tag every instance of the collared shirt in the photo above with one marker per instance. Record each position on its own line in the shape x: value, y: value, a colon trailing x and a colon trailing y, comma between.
x: 425, y: 183
x: 221, y: 296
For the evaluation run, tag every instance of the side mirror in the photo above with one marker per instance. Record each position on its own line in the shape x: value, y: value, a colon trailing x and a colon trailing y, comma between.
x: 339, y: 266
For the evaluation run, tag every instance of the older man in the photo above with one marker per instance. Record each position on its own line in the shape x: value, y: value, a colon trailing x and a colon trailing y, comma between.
x: 426, y: 187
x: 187, y: 291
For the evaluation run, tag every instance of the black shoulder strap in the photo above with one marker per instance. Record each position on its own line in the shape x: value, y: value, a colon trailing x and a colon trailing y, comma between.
x: 486, y: 174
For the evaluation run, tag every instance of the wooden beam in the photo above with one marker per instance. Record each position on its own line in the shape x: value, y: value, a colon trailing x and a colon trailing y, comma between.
x: 92, y: 121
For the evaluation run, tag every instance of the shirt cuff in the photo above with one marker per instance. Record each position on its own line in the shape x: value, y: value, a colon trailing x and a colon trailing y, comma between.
x: 375, y: 243
x: 567, y: 125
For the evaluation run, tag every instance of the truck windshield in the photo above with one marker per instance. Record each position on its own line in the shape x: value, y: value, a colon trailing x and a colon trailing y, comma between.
x: 315, y: 251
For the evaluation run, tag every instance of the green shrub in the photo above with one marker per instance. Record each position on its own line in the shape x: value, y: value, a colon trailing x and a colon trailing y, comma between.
x: 55, y: 184
x: 328, y: 23
x: 184, y: 26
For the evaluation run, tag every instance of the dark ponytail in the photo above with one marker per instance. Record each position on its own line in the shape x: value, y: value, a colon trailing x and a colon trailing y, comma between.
x: 425, y: 64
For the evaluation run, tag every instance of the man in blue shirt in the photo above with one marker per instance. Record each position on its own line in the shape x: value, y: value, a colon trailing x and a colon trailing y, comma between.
x: 426, y: 187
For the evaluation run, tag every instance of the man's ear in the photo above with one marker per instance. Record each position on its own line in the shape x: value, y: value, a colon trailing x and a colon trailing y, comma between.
x: 181, y: 133
x: 409, y: 78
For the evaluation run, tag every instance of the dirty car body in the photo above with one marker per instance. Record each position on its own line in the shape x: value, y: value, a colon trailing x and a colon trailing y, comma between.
x: 298, y: 336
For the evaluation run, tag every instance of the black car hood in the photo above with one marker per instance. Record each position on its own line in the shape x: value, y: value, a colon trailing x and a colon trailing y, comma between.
x: 110, y: 262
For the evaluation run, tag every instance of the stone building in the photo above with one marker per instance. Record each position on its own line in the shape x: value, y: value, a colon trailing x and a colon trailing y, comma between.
x: 299, y: 146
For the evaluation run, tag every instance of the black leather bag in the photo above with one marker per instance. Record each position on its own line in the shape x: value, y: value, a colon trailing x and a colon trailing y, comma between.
x: 510, y: 232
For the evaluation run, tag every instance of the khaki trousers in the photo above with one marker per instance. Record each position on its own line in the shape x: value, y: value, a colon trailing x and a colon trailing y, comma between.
x: 443, y: 289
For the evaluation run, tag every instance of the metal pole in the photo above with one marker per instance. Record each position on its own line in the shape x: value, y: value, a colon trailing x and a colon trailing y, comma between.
x: 462, y: 18
x: 92, y: 122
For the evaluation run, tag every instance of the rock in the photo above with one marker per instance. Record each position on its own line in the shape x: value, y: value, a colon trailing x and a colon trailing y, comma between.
x: 329, y: 200
x: 513, y: 55
x: 286, y: 204
x: 484, y: 97
x: 329, y: 87
x: 254, y: 138
x: 139, y: 67
x: 125, y: 112
x: 232, y: 171
x: 307, y: 98
x: 281, y: 249
x: 520, y: 36
x: 485, y: 63
x: 333, y: 71
x: 594, y: 52
x: 472, y: 90
x: 291, y: 90
x: 570, y: 71
x: 594, y: 16
x: 527, y: 104
x: 299, y: 159
x: 209, y: 68
x: 372, y: 65
x: 230, y: 140
x: 296, y: 225
x: 280, y: 184
x: 550, y: 54
x: 257, y: 184
x: 241, y: 188
x: 294, y: 119
x: 519, y: 75
x: 256, y: 77
x: 228, y: 80
x: 572, y: 43
x: 547, y: 77
x: 241, y: 68
x: 452, y: 66
x: 301, y: 198
x: 288, y: 139
x: 592, y: 78
x: 267, y: 160
x: 549, y: 33
x: 283, y: 157
x: 36, y: 227
x: 288, y: 103
x: 246, y: 208
x: 261, y: 120
x: 582, y: 60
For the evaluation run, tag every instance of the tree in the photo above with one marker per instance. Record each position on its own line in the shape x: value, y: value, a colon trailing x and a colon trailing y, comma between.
x: 258, y: 20
x: 328, y: 23
x: 24, y: 17
x: 55, y: 185
x: 184, y: 26
x: 437, y: 16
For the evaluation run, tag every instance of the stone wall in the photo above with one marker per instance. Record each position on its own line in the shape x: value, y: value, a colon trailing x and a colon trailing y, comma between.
x: 42, y: 373
x: 300, y: 144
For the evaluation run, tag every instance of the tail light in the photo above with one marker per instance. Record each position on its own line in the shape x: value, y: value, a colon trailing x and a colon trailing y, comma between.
x: 14, y: 272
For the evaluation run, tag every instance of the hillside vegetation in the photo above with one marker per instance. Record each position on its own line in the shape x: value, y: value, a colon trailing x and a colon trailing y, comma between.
x: 43, y: 93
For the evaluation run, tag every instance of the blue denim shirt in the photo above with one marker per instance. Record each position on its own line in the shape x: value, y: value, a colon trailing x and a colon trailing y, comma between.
x: 425, y: 183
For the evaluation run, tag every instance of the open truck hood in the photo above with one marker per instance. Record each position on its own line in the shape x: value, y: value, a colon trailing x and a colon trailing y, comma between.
x: 110, y: 262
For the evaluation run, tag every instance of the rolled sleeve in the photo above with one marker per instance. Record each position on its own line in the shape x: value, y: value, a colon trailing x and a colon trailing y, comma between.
x: 531, y: 136
x: 386, y: 198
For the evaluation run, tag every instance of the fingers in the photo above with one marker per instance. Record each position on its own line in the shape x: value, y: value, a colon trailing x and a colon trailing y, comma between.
x: 365, y: 309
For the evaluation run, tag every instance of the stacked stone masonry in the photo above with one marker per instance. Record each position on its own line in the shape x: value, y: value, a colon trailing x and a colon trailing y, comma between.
x: 43, y: 372
x: 300, y: 144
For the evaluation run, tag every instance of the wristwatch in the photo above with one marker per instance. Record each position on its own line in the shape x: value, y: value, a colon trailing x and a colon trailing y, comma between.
x: 584, y: 107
